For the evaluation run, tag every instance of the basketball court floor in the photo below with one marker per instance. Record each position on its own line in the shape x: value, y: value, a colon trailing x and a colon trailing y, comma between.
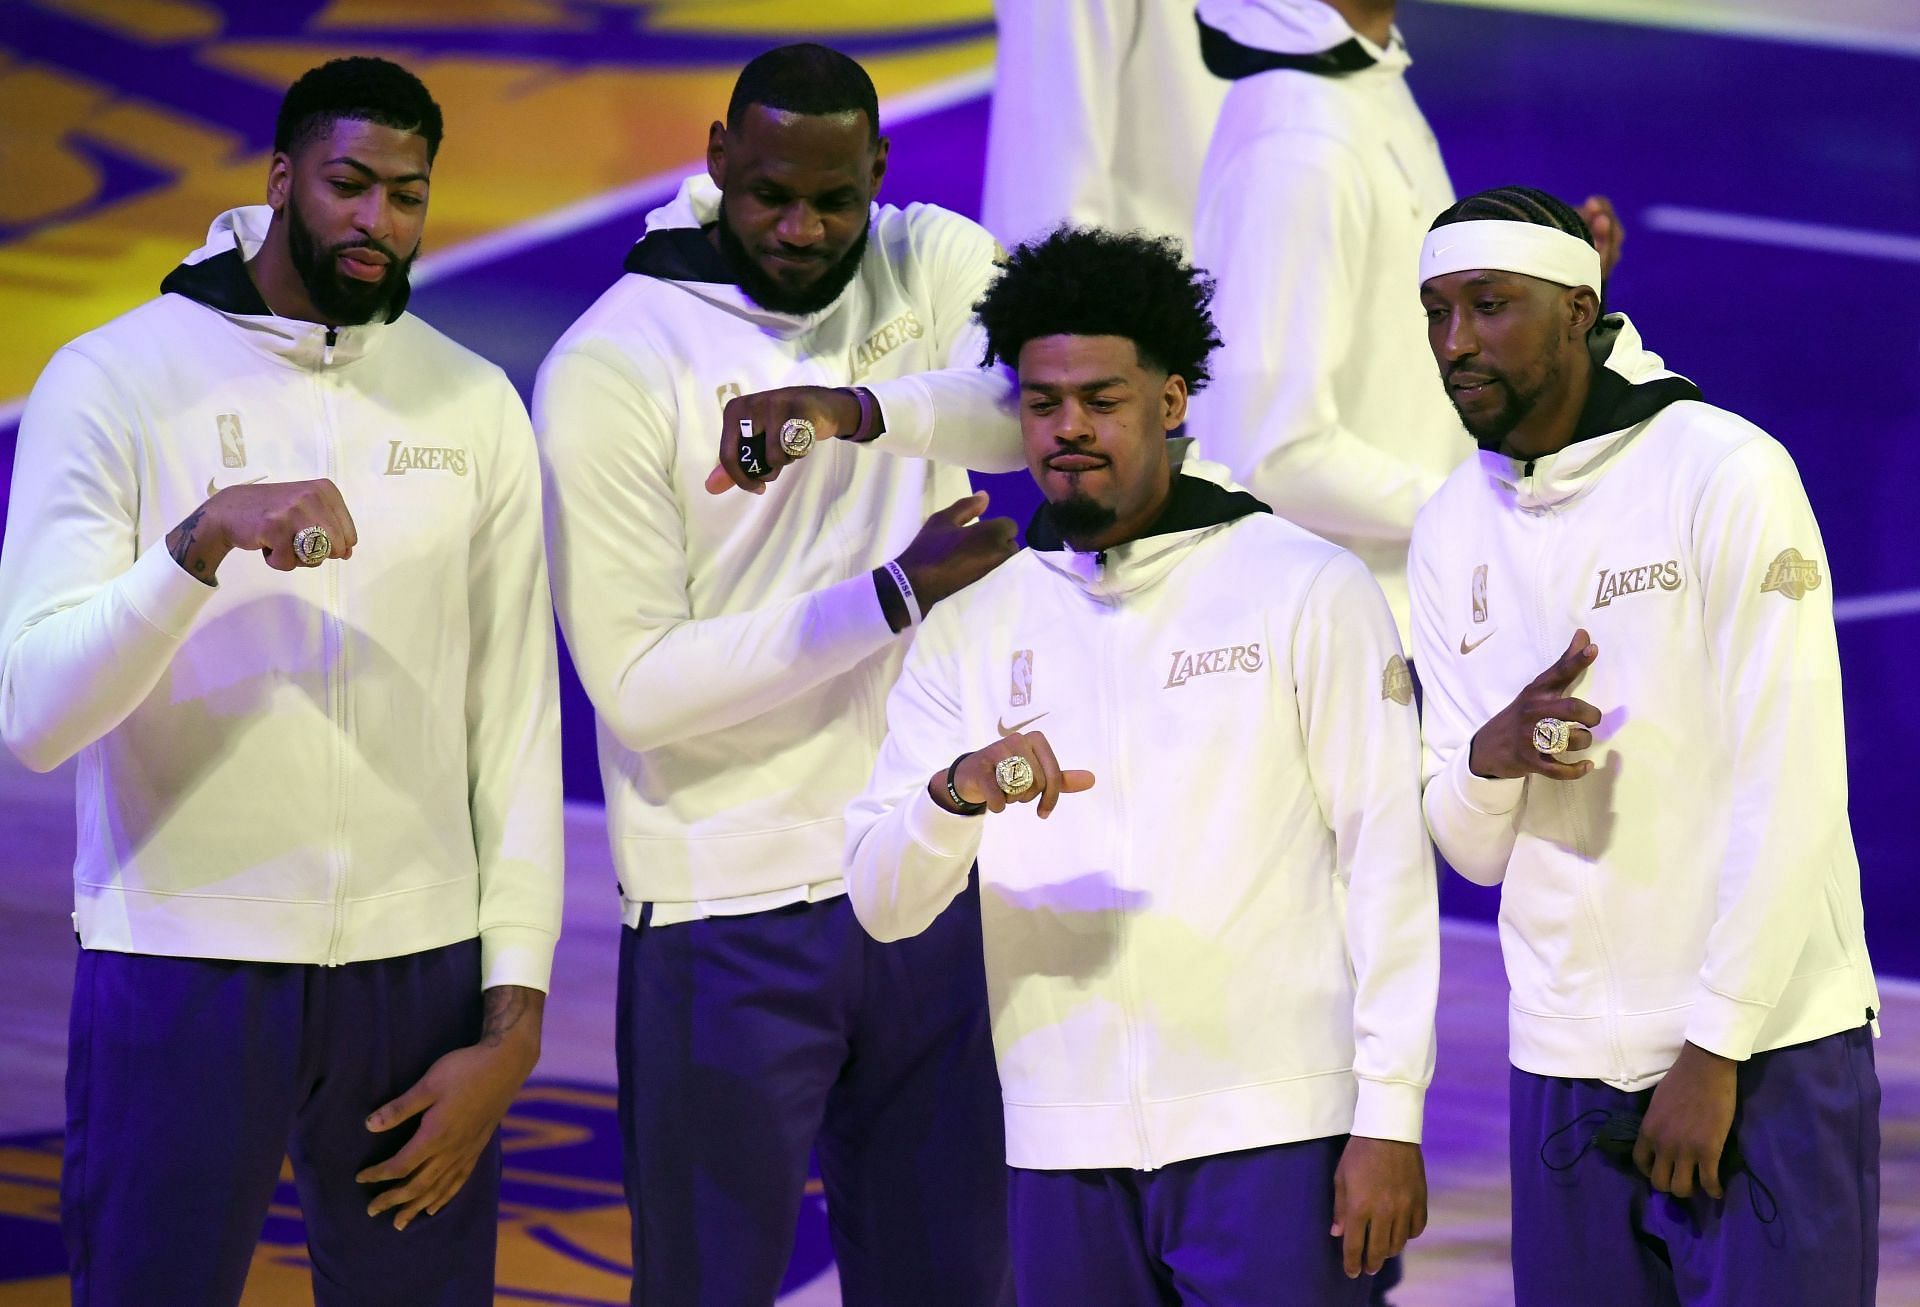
x: 1765, y: 155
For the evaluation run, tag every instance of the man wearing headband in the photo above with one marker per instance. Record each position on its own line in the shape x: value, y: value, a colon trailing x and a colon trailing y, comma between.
x: 1315, y: 190
x: 737, y: 648
x: 1624, y: 621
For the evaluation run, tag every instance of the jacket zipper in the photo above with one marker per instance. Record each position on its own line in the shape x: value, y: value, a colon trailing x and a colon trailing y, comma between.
x: 1549, y: 518
x: 1136, y: 1090
x: 333, y: 644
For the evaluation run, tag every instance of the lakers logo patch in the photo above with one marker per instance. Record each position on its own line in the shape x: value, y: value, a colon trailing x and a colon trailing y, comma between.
x: 1791, y: 575
x: 1396, y: 682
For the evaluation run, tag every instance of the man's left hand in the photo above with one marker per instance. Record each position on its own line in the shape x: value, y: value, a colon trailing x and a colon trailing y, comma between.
x: 834, y: 412
x: 1379, y: 1201
x: 1687, y: 1124
x: 1608, y: 234
x: 464, y: 1095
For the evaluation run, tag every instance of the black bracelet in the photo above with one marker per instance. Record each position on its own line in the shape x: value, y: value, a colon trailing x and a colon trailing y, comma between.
x: 960, y: 805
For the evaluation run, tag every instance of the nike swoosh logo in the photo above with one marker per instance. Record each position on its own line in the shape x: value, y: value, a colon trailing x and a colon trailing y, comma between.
x: 1466, y: 648
x: 1017, y: 727
x: 213, y: 490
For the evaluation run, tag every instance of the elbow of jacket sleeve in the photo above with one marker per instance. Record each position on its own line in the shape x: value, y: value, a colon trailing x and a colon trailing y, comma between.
x: 37, y: 752
x: 1476, y: 838
x: 28, y: 736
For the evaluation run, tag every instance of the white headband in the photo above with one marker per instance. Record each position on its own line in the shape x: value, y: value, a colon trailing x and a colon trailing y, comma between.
x: 1503, y: 246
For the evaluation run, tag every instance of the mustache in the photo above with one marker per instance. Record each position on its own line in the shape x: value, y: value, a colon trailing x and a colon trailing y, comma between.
x: 1469, y: 373
x: 365, y: 243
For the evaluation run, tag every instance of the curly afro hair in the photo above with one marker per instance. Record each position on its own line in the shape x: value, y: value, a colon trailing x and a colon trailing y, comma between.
x: 1080, y: 281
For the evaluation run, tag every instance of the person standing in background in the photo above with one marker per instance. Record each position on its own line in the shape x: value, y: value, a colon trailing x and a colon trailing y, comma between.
x: 1317, y: 189
x: 1102, y: 110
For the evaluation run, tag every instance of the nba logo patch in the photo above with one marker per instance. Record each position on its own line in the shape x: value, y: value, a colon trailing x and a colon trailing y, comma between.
x: 233, y: 446
x: 1022, y: 679
x: 1480, y: 593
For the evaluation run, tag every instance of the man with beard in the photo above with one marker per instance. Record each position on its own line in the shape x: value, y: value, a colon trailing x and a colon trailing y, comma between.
x: 1313, y: 197
x: 318, y: 879
x: 1633, y: 726
x: 1214, y: 955
x: 737, y: 649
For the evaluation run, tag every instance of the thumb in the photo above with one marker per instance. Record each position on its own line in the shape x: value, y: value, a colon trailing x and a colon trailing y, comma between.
x: 963, y: 511
x: 1075, y: 782
x: 718, y: 482
x: 402, y: 1109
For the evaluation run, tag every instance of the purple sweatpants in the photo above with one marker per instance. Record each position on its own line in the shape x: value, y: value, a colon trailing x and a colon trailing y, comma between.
x: 1231, y: 1230
x: 1807, y: 1128
x: 189, y: 1080
x: 745, y: 1042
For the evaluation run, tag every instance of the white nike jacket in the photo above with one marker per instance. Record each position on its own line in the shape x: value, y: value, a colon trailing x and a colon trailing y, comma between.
x: 733, y: 645
x: 1700, y: 883
x: 356, y: 761
x: 1231, y: 940
x: 1318, y: 189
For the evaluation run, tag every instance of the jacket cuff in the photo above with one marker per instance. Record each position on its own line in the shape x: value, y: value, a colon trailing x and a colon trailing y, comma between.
x: 1389, y: 1109
x: 1726, y: 1026
x: 516, y: 955
x: 163, y: 593
x: 946, y: 834
x: 1488, y: 797
x: 906, y: 409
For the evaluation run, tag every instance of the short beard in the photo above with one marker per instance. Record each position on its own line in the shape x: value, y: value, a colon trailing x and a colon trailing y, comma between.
x: 1080, y: 517
x: 1491, y: 433
x: 770, y: 294
x: 341, y: 299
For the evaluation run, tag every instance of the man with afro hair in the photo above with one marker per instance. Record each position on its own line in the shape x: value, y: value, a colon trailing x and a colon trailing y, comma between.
x: 1177, y: 734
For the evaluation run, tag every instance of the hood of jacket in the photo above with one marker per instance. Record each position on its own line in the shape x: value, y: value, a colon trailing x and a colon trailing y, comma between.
x: 1630, y: 385
x: 215, y: 276
x: 1203, y: 500
x: 1239, y: 38
x: 676, y: 249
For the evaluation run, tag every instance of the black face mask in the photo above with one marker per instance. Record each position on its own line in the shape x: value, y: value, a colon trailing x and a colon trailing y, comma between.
x: 770, y: 294
x: 339, y: 298
x: 1614, y: 1134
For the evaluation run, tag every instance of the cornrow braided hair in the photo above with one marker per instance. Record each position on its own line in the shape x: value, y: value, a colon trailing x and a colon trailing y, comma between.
x: 1518, y: 204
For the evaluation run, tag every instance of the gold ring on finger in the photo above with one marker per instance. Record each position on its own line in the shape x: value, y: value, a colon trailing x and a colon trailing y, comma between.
x: 1551, y: 736
x: 796, y: 437
x: 1013, y: 775
x: 311, y: 546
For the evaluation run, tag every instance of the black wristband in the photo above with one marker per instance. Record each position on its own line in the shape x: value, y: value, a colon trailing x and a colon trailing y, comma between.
x: 960, y: 805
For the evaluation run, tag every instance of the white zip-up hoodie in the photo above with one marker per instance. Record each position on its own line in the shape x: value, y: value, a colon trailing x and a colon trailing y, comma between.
x: 354, y: 761
x: 1315, y: 196
x: 733, y: 645
x: 1700, y: 883
x: 1102, y: 110
x: 1231, y: 940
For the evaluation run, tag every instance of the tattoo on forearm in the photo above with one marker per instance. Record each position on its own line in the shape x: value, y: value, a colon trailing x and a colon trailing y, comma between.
x: 506, y: 1006
x: 180, y: 544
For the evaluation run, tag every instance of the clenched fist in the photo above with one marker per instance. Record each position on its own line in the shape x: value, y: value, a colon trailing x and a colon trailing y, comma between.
x: 262, y: 518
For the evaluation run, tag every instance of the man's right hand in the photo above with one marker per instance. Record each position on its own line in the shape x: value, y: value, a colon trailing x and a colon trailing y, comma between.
x: 1503, y: 749
x: 955, y: 549
x: 976, y: 780
x: 262, y: 518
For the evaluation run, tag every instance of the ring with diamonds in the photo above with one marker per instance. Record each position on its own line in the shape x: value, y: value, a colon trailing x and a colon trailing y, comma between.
x: 311, y: 545
x: 1551, y: 735
x: 1014, y: 776
x: 796, y: 437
